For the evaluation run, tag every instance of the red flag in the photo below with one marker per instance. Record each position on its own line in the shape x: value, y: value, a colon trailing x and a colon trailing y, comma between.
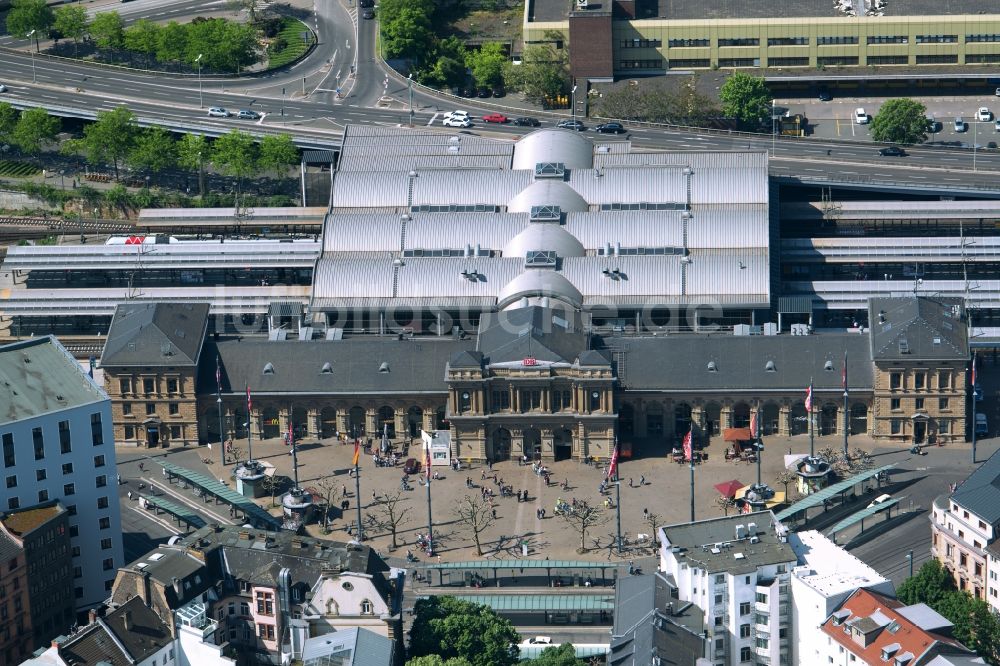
x: 613, y: 465
x: 249, y: 401
x: 809, y: 398
x: 427, y: 462
x: 357, y: 452
x: 973, y: 370
x: 753, y: 424
x: 688, y: 454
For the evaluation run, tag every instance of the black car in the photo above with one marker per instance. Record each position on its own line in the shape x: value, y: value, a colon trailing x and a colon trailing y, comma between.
x: 825, y: 96
x: 468, y: 92
x: 571, y: 124
x: 525, y: 121
x: 484, y: 92
x: 892, y: 151
x: 610, y: 128
x: 368, y: 14
x: 364, y: 4
x: 498, y: 91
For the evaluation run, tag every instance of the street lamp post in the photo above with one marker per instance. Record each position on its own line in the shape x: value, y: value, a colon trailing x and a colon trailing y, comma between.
x: 201, y: 99
x: 573, y: 104
x: 34, y: 78
x: 975, y: 141
x: 774, y: 133
x: 409, y: 87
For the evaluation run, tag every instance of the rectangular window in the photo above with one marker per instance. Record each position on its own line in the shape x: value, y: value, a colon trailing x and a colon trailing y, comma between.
x: 101, y: 481
x: 888, y: 60
x: 641, y: 43
x: 77, y: 572
x: 788, y: 62
x: 108, y: 564
x: 39, y: 442
x: 71, y: 510
x: 895, y: 380
x: 739, y: 41
x: 979, y: 39
x: 944, y: 59
x: 8, y: 450
x: 12, y: 481
x: 125, y: 385
x: 761, y: 597
x: 745, y: 654
x: 937, y: 39
x: 689, y: 63
x: 942, y: 403
x: 745, y: 608
x: 99, y: 461
x: 129, y: 432
x: 150, y: 408
x: 834, y: 61
x: 788, y: 41
x: 888, y: 39
x: 919, y: 380
x: 175, y: 432
x: 171, y: 386
x: 102, y: 502
x: 744, y: 631
x: 501, y: 401
x: 126, y: 409
x: 13, y: 503
x: 67, y: 468
x: 41, y: 475
x: 683, y: 43
x: 173, y: 409
x: 982, y: 58
x: 944, y: 379
x: 96, y: 429
x: 74, y: 531
x: 836, y: 40
x: 43, y: 496
x: 65, y: 441
x: 69, y: 489
x: 895, y: 427
x: 739, y: 62
x: 106, y: 544
x: 895, y: 404
x: 147, y: 385
x: 104, y: 523
x: 641, y: 64
x: 918, y: 404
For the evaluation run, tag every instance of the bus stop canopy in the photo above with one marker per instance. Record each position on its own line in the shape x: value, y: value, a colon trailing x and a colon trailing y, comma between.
x: 224, y: 493
x: 177, y: 511
x: 864, y: 513
x: 817, y: 498
x: 513, y: 603
x: 521, y: 564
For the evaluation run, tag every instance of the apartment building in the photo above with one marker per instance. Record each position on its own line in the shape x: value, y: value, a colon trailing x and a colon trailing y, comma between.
x: 57, y: 443
x: 871, y: 629
x: 150, y: 364
x: 964, y: 523
x: 737, y: 569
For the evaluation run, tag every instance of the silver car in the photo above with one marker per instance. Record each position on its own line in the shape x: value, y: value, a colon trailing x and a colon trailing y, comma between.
x: 218, y: 112
x: 248, y: 115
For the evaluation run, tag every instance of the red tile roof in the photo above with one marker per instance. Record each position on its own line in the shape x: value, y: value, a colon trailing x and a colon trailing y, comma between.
x: 863, y: 604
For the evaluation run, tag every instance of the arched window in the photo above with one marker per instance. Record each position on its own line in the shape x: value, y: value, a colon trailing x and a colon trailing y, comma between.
x: 367, y: 608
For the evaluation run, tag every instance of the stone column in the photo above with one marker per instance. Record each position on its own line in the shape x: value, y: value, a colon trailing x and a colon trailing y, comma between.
x: 548, y: 448
x: 399, y: 422
x: 428, y: 418
x: 784, y: 420
x: 342, y: 424
x: 314, y: 426
x: 669, y: 420
x: 283, y: 416
x: 255, y: 425
x: 516, y: 446
x: 725, y: 418
x: 639, y: 418
x: 697, y: 418
x: 371, y: 414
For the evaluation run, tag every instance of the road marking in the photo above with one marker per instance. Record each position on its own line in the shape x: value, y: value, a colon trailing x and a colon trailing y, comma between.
x: 156, y: 519
x: 433, y: 118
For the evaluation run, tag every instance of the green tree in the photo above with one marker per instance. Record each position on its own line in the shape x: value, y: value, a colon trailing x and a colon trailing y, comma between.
x: 236, y: 154
x: 8, y: 121
x: 901, y: 120
x: 928, y: 586
x: 110, y: 138
x: 117, y: 196
x: 34, y: 129
x: 143, y: 37
x: 153, y: 149
x: 450, y: 627
x: 108, y: 31
x: 543, y: 73
x: 192, y: 153
x: 746, y: 99
x: 277, y: 153
x: 562, y: 655
x: 173, y: 42
x: 407, y: 35
x: 27, y: 15
x: 71, y: 21
x: 487, y: 64
x: 436, y: 660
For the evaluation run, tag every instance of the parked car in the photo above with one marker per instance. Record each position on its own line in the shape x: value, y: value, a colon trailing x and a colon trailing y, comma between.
x: 498, y: 91
x: 457, y: 114
x: 3, y: 88
x: 572, y: 125
x: 960, y: 125
x: 933, y: 125
x: 824, y: 95
x: 892, y: 151
x: 610, y: 128
x: 860, y: 116
x: 540, y: 640
x: 365, y: 4
x: 881, y: 499
x: 247, y: 114
x: 468, y: 92
x: 218, y: 112
x: 484, y: 92
x: 983, y: 115
x: 368, y: 14
x: 495, y: 118
x: 456, y: 122
x: 996, y: 124
x: 526, y: 121
x: 411, y: 466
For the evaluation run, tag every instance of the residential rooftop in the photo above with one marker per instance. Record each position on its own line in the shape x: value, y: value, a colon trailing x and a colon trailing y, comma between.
x: 716, y: 545
x: 827, y: 568
x: 24, y: 521
x: 980, y: 492
x: 39, y: 377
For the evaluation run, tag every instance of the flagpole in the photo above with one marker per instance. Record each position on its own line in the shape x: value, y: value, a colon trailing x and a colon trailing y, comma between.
x: 295, y: 455
x: 692, y: 483
x: 357, y: 486
x: 249, y: 427
x: 974, y: 407
x: 218, y: 394
x: 812, y: 441
x: 758, y: 448
x: 430, y: 515
x: 847, y: 414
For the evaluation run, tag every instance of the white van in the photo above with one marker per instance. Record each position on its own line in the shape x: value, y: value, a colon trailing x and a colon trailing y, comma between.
x: 881, y: 499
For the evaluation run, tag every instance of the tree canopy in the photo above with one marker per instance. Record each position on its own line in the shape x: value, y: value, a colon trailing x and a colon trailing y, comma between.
x: 71, y: 21
x: 543, y: 72
x: 562, y: 655
x: 487, y: 64
x: 108, y: 30
x: 27, y: 15
x: 450, y: 627
x: 34, y: 129
x: 745, y: 98
x: 901, y: 120
x: 154, y: 149
x: 8, y: 121
x: 111, y: 137
x: 680, y: 104
x: 436, y: 660
x: 277, y: 152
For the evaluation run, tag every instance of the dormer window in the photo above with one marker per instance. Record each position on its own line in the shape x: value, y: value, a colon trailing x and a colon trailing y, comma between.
x: 712, y: 367
x: 268, y: 369
x: 327, y: 369
x: 889, y: 650
x: 367, y: 608
x: 384, y: 367
x: 769, y: 367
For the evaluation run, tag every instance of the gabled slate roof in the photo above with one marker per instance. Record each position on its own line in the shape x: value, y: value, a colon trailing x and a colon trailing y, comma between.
x: 555, y: 336
x: 980, y: 492
x: 910, y: 328
x: 156, y: 334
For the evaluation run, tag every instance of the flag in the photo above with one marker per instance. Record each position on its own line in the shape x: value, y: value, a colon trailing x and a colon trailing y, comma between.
x: 357, y: 451
x: 809, y: 398
x: 754, y: 432
x: 973, y: 371
x: 613, y: 465
x: 218, y: 375
x: 688, y: 454
x: 249, y: 401
x: 427, y: 462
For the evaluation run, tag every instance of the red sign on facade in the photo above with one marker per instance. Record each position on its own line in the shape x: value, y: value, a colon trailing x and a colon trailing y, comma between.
x: 529, y: 361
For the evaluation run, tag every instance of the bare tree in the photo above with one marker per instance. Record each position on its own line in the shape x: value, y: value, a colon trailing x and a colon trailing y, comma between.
x: 654, y: 520
x: 235, y: 454
x: 725, y: 503
x: 581, y: 518
x: 785, y: 477
x: 271, y: 484
x: 477, y: 515
x: 860, y: 461
x: 328, y: 486
x: 390, y: 514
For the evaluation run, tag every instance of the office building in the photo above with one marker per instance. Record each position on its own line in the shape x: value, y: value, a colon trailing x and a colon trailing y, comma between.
x: 55, y: 430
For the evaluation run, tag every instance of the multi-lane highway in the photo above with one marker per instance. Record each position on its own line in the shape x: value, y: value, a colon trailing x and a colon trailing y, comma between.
x: 342, y: 82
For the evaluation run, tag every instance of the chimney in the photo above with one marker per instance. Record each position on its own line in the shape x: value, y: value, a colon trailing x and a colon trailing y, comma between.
x: 127, y: 620
x: 92, y: 616
x: 741, y: 531
x: 752, y: 529
x: 144, y: 592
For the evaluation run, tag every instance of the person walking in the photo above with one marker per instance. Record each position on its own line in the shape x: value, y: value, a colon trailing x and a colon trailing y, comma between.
x: 642, y: 480
x: 630, y: 484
